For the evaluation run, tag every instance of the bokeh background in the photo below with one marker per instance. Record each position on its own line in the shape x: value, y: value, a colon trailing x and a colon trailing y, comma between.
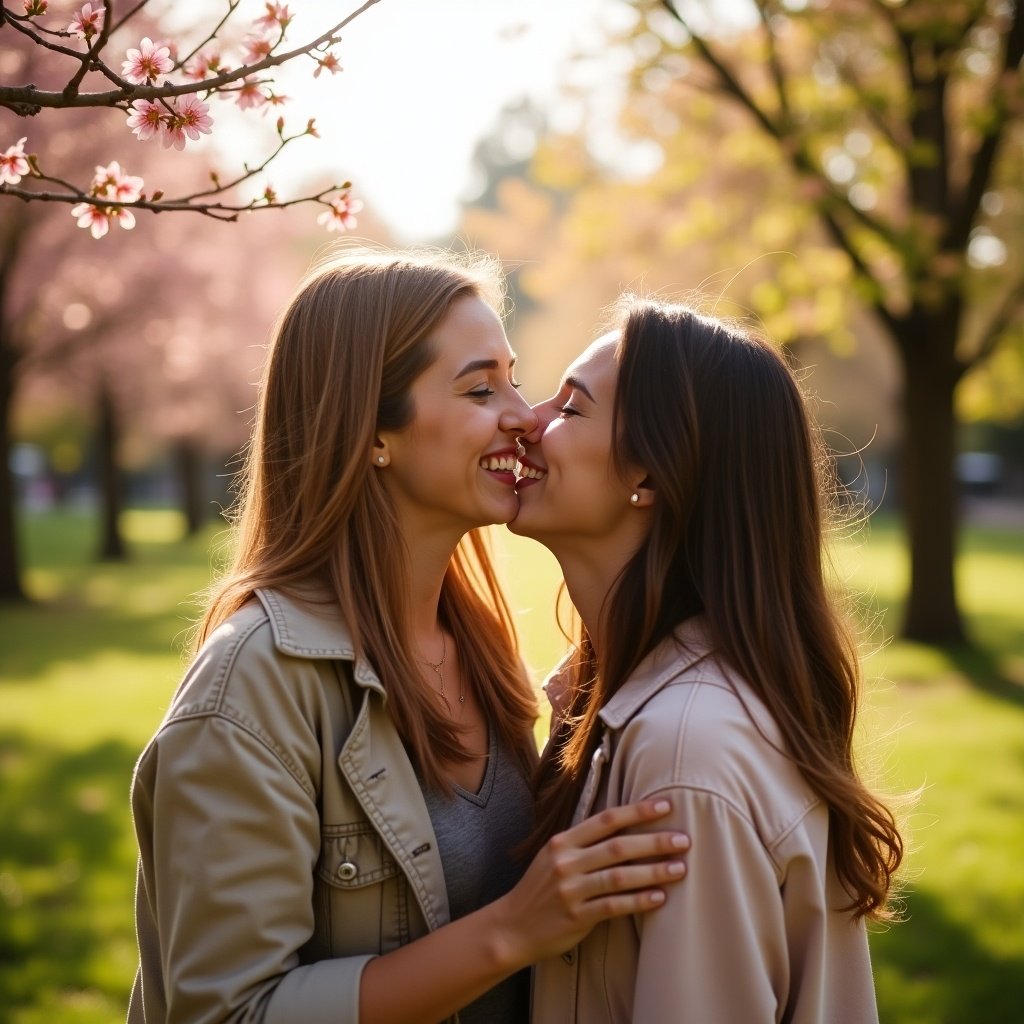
x: 800, y: 165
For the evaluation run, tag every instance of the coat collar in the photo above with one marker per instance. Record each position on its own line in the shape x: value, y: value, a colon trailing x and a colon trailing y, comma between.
x: 306, y: 622
x: 688, y: 644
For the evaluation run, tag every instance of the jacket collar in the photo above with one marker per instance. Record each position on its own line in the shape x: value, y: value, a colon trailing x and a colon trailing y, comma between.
x: 306, y: 622
x: 688, y: 644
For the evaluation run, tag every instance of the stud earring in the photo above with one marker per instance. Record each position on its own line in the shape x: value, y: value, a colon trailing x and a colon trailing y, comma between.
x: 380, y: 459
x: 634, y: 498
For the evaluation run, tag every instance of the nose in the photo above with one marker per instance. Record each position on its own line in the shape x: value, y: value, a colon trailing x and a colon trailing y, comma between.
x: 518, y: 418
x: 543, y: 413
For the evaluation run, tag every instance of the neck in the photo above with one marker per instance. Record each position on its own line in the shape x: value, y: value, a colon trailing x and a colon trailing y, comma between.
x: 428, y: 562
x: 589, y: 582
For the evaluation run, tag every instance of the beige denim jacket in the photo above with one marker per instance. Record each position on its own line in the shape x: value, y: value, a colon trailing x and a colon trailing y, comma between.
x: 282, y: 833
x: 751, y: 935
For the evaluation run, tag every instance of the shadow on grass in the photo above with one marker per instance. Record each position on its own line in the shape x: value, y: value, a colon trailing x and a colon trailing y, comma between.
x: 983, y: 668
x: 66, y: 871
x: 931, y: 968
x: 67, y: 629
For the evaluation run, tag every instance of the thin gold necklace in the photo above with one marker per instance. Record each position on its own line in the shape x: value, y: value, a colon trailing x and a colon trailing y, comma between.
x: 435, y: 667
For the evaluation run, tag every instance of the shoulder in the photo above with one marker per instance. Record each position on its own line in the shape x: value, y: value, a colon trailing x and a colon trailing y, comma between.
x: 266, y: 665
x: 245, y: 696
x: 708, y: 732
x: 241, y: 645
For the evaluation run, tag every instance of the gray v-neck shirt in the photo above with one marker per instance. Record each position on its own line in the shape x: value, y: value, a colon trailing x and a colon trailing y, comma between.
x: 476, y: 833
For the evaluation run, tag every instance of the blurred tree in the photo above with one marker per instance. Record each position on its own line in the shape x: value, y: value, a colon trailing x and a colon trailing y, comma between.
x: 901, y: 125
x: 879, y: 140
x: 160, y: 339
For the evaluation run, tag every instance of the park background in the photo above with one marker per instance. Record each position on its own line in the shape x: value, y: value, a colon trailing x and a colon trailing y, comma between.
x: 589, y: 148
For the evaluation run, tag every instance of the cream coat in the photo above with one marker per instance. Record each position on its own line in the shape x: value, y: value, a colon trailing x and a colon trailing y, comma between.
x: 750, y: 936
x: 283, y: 837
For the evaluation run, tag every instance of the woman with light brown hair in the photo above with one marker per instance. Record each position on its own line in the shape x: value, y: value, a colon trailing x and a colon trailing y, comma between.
x: 326, y: 816
x: 678, y: 480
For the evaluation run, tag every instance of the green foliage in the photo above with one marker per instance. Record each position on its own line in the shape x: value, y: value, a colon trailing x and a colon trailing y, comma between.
x: 88, y: 671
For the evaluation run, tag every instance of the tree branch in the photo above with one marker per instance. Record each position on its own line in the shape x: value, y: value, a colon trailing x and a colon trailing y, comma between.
x: 799, y: 155
x: 965, y: 208
x: 1010, y: 307
x: 220, y: 211
x: 16, y: 97
x: 775, y: 65
x: 71, y: 89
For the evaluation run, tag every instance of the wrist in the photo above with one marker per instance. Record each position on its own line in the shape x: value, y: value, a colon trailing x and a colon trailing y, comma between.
x: 505, y: 947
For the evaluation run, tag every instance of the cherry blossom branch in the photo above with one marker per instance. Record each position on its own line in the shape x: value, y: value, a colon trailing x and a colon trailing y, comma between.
x: 170, y: 112
x: 12, y: 96
x: 232, y: 7
x: 128, y: 17
x: 159, y: 205
x: 86, y: 60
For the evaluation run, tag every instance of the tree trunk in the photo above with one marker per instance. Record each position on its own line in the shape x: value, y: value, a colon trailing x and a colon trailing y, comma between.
x: 189, y: 463
x: 930, y: 491
x: 112, y: 546
x: 10, y: 561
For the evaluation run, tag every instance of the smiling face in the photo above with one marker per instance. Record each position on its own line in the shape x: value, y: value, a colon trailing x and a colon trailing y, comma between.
x: 452, y: 468
x: 571, y: 497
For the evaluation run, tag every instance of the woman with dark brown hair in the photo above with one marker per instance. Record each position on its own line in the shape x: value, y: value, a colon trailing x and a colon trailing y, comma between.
x: 326, y: 814
x: 678, y: 480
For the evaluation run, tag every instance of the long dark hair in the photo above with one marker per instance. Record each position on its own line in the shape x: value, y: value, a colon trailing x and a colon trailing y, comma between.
x: 716, y: 417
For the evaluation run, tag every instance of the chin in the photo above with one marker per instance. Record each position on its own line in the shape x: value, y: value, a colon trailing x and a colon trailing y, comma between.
x: 521, y: 524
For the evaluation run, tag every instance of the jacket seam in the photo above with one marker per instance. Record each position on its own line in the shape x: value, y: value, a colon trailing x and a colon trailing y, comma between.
x: 218, y: 706
x: 243, y: 725
x: 768, y: 847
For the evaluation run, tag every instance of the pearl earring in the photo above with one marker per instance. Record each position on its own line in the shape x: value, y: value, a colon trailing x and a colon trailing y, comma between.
x: 634, y: 498
x: 380, y: 459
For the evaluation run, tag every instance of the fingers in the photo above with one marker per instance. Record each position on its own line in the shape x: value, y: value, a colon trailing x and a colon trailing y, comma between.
x: 633, y: 847
x: 615, y: 819
x: 631, y: 878
x: 623, y: 904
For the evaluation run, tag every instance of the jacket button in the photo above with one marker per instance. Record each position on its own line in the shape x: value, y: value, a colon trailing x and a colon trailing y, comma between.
x: 347, y: 871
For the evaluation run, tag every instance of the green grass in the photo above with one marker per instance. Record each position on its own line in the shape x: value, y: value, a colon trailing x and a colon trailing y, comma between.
x: 86, y: 673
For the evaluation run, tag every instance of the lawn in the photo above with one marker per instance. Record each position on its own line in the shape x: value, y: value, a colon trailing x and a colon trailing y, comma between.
x: 86, y: 673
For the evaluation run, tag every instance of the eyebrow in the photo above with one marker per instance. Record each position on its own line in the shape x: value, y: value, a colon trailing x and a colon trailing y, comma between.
x: 577, y: 385
x: 482, y: 364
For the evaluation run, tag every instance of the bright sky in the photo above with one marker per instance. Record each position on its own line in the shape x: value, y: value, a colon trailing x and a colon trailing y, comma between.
x: 423, y: 82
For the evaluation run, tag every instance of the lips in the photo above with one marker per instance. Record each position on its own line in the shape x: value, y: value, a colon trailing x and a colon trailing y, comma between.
x: 529, y: 473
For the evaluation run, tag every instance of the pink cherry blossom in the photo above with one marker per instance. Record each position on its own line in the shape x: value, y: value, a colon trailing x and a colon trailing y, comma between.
x: 339, y: 217
x: 113, y: 183
x: 203, y: 65
x: 190, y: 118
x: 147, y: 63
x: 327, y: 63
x: 256, y: 48
x: 13, y: 163
x: 34, y: 7
x: 147, y: 119
x: 87, y: 22
x: 99, y: 218
x: 250, y: 94
x: 277, y: 14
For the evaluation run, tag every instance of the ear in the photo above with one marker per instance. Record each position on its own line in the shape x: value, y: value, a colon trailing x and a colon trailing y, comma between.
x: 643, y: 491
x: 380, y: 456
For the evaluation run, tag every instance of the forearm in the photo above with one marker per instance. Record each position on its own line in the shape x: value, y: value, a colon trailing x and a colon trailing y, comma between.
x: 435, y: 976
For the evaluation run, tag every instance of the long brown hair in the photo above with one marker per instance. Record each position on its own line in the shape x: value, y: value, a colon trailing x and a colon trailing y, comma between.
x: 343, y: 358
x: 716, y: 418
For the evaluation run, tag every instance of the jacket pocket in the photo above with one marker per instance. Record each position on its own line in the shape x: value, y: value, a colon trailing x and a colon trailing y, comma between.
x: 353, y: 856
